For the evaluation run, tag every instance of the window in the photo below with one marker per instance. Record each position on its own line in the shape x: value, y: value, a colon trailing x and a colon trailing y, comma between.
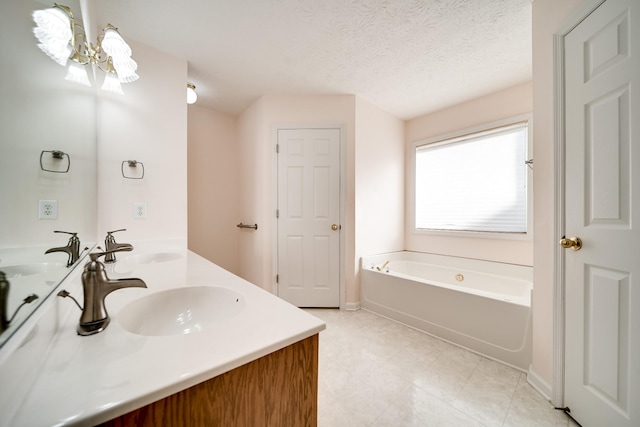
x: 476, y: 182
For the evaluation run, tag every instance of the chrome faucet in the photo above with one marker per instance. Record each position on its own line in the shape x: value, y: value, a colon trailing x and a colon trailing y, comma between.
x: 72, y: 248
x: 96, y: 286
x: 111, y: 246
x: 4, y: 299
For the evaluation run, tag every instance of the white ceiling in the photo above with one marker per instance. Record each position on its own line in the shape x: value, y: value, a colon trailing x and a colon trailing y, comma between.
x: 409, y: 57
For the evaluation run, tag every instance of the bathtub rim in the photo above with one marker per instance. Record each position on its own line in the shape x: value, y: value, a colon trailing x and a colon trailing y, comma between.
x: 520, y: 271
x: 523, y: 300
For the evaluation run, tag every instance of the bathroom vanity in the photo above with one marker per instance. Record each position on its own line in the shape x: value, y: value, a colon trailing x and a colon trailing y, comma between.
x: 236, y: 354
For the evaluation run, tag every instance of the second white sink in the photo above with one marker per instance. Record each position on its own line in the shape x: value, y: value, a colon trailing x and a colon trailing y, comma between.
x: 181, y: 311
x: 154, y: 258
x: 15, y: 271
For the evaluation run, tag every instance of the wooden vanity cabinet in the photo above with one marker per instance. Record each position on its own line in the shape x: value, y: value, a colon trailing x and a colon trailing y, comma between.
x: 279, y: 389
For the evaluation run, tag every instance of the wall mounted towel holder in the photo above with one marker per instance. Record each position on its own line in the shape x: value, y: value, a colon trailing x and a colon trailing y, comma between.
x: 56, y: 155
x: 241, y: 225
x: 132, y: 165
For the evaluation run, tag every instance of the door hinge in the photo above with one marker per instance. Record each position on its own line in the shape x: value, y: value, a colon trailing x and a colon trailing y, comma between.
x: 277, y: 213
x: 277, y: 278
x: 277, y: 148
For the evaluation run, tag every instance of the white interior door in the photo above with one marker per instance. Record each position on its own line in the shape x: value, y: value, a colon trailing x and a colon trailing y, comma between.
x: 602, y: 207
x: 309, y: 217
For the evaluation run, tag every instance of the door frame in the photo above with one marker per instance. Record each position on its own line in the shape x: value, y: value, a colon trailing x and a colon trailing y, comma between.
x: 274, y: 198
x: 557, y: 387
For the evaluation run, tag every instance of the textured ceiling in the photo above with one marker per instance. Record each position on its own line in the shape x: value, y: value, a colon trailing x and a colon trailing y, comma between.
x: 409, y: 57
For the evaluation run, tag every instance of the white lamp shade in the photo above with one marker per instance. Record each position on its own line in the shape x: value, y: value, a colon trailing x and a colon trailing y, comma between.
x: 78, y: 74
x: 126, y: 69
x: 114, y: 44
x: 53, y: 31
x: 112, y: 84
x: 192, y: 96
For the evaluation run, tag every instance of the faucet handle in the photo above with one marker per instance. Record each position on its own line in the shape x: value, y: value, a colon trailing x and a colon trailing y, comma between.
x: 67, y: 232
x: 115, y: 231
x: 95, y: 255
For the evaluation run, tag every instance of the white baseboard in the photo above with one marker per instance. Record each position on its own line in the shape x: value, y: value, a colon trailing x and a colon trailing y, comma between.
x: 540, y: 385
x: 352, y: 306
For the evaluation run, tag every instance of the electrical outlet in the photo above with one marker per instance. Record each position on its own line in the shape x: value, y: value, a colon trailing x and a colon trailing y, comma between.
x: 47, y: 209
x: 139, y: 210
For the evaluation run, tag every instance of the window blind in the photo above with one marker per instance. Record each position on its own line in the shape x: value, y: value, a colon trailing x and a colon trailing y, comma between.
x: 476, y: 182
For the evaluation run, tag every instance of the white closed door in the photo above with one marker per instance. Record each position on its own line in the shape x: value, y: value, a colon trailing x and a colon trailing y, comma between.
x: 308, y: 264
x: 602, y: 208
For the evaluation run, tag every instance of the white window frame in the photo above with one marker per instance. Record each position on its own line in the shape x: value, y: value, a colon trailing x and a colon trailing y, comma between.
x: 482, y: 234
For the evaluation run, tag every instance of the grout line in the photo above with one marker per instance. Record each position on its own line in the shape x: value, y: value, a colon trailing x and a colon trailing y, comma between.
x: 513, y: 395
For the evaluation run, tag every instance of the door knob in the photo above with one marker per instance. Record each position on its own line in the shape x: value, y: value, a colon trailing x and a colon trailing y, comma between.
x: 574, y: 243
x: 335, y: 227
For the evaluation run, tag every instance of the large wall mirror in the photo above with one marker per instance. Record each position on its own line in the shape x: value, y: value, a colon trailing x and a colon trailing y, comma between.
x: 41, y: 113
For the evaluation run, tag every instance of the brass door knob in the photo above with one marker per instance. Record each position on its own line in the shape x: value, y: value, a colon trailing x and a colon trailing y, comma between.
x: 574, y: 243
x: 335, y: 227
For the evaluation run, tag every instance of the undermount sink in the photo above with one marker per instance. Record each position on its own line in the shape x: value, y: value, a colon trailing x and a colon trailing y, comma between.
x: 154, y: 258
x: 15, y: 271
x: 181, y: 311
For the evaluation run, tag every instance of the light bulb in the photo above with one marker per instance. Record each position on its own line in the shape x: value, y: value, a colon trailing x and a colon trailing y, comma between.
x: 192, y: 96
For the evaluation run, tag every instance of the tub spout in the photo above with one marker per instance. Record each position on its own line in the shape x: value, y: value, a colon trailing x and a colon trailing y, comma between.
x: 382, y: 267
x: 96, y: 286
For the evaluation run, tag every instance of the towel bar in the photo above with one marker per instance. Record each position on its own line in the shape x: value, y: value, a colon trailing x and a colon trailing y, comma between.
x: 241, y: 225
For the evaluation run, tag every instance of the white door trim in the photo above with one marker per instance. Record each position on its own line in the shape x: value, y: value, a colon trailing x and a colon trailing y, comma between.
x: 274, y: 197
x: 557, y: 388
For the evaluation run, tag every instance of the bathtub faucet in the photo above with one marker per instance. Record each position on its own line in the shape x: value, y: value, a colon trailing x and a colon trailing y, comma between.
x: 380, y: 268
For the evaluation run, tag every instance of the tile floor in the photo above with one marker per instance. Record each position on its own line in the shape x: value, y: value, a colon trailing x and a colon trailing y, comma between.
x: 376, y: 372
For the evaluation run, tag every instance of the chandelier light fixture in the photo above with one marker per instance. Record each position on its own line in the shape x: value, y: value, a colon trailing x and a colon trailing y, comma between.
x: 192, y: 96
x: 65, y: 41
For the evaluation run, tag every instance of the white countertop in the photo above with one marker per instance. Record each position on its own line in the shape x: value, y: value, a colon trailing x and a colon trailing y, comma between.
x: 89, y: 380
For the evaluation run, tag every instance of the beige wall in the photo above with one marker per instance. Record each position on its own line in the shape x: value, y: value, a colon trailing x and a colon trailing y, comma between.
x: 212, y: 160
x: 253, y: 196
x: 500, y: 105
x: 373, y: 180
x: 379, y: 183
x: 549, y: 17
x: 257, y: 127
x: 147, y: 124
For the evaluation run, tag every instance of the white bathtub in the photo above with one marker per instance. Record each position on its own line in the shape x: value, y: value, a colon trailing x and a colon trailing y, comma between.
x: 480, y: 305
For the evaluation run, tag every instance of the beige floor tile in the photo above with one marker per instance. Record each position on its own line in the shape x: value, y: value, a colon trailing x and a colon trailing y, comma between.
x: 420, y: 408
x: 447, y: 375
x: 376, y: 372
x: 530, y: 409
x: 485, y: 398
x: 332, y: 413
x: 500, y: 372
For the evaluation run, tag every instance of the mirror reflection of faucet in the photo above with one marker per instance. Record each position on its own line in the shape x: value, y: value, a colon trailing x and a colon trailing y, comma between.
x: 96, y: 285
x: 72, y: 249
x: 5, y: 286
x: 111, y: 246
